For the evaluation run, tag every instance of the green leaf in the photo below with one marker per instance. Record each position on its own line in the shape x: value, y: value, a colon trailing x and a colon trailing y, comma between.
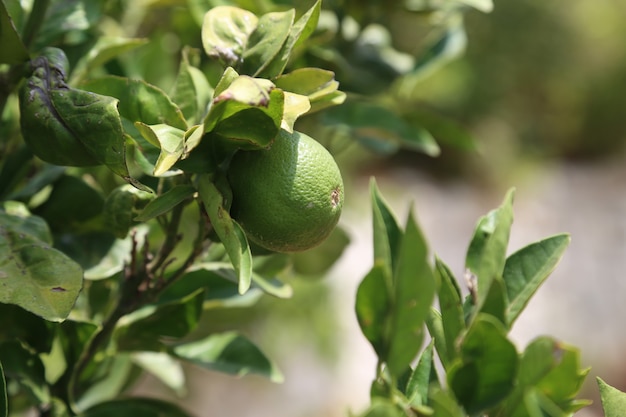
x: 139, y: 101
x: 528, y: 268
x: 167, y: 369
x: 417, y: 387
x: 111, y: 376
x: 25, y: 367
x: 317, y: 84
x: 486, y: 254
x: 34, y: 275
x: 192, y: 91
x: 230, y: 233
x: 105, y: 49
x: 444, y: 130
x: 449, y: 46
x: 248, y: 112
x: 31, y: 330
x: 295, y: 106
x: 413, y: 294
x: 373, y: 303
x: 67, y: 126
x: 485, y: 373
x: 451, y: 306
x: 565, y: 380
x: 228, y: 352
x: 265, y: 42
x: 13, y: 50
x: 540, y: 358
x: 120, y: 207
x: 135, y: 407
x: 225, y: 33
x: 72, y: 203
x: 4, y: 403
x: 382, y: 407
x: 165, y: 202
x: 143, y: 329
x: 444, y: 404
x: 70, y: 18
x: 382, y: 129
x: 387, y: 233
x: 168, y: 139
x: 613, y: 400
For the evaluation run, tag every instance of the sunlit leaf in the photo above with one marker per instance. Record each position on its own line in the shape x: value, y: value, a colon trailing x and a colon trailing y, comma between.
x: 229, y: 232
x: 225, y: 33
x: 169, y: 140
x: 192, y: 91
x: 317, y: 84
x: 613, y: 400
x: 167, y: 369
x: 265, y: 42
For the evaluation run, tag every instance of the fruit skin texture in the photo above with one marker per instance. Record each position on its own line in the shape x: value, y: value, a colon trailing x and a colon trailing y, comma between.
x: 287, y: 198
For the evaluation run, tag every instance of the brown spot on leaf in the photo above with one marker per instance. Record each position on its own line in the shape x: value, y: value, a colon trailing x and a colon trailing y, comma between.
x: 58, y: 289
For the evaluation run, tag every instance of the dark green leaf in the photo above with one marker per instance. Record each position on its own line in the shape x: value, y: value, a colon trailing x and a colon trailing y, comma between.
x: 19, y: 324
x: 228, y: 352
x: 265, y: 42
x: 135, y: 407
x: 71, y: 204
x: 486, y: 254
x: 444, y: 130
x: 4, y: 403
x: 486, y: 371
x: 373, y: 304
x: 230, y: 233
x: 413, y: 294
x: 143, y: 329
x: 139, y: 101
x: 33, y: 275
x: 13, y: 50
x: 24, y: 366
x: 451, y: 306
x: 527, y: 269
x: 165, y: 202
x: 613, y: 400
x: 67, y: 126
x: 225, y: 33
x: 446, y: 48
x: 387, y: 233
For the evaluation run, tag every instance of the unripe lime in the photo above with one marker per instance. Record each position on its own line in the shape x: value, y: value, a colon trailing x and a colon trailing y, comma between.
x: 287, y: 198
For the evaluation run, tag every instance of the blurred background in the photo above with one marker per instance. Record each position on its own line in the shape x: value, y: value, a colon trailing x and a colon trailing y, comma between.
x: 531, y: 96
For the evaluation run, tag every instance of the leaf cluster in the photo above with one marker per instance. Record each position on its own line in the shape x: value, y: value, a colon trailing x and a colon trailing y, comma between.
x: 469, y: 367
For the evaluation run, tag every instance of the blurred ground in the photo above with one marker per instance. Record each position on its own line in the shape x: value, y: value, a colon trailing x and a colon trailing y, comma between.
x: 580, y: 304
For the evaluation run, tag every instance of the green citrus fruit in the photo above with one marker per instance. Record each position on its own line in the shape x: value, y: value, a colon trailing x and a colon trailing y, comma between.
x: 287, y: 198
